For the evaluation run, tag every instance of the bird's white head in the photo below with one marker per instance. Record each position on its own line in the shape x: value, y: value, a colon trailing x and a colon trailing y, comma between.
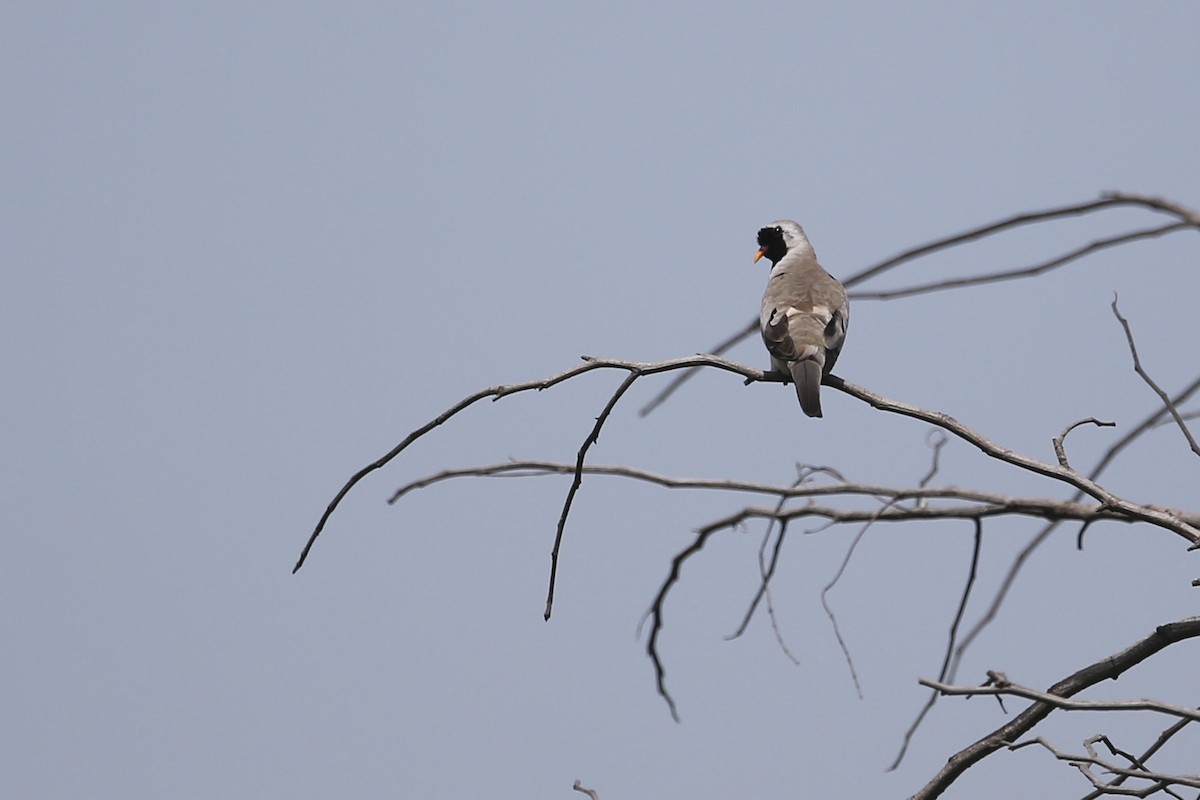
x: 777, y: 239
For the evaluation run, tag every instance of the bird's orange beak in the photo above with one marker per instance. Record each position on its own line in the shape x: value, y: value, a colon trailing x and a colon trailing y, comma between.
x: 762, y: 251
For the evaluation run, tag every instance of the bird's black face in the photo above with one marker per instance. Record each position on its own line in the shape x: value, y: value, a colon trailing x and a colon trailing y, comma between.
x: 771, y: 244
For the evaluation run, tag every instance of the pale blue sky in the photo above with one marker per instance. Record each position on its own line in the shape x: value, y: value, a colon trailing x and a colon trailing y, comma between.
x: 249, y: 247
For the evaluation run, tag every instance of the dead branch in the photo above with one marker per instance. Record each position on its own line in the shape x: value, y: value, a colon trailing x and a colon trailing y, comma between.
x: 1107, y: 200
x: 592, y: 438
x: 1189, y: 215
x: 1110, y: 455
x: 640, y: 369
x: 1023, y: 272
x: 806, y: 473
x: 1109, y: 502
x: 1001, y: 686
x: 1059, y: 441
x: 1137, y: 771
x: 719, y: 349
x: 990, y: 504
x: 825, y: 590
x: 1157, y: 745
x: 766, y: 570
x: 496, y: 392
x: 1137, y: 367
x: 1109, y: 668
x: 592, y: 793
x: 1069, y: 476
x: 893, y: 504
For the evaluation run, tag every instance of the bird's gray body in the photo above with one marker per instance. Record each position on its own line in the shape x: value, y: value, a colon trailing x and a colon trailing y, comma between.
x: 805, y: 312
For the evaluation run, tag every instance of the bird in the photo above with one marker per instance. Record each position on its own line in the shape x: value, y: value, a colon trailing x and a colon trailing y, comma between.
x: 805, y: 311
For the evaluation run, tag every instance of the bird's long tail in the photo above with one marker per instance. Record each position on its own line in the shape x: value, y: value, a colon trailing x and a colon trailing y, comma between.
x: 806, y: 375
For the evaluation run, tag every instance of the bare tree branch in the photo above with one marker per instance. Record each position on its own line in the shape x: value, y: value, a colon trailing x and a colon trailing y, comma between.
x: 496, y: 392
x: 1069, y: 476
x: 1110, y: 455
x: 683, y: 377
x: 1107, y: 200
x: 1001, y: 686
x: 870, y: 504
x: 592, y: 793
x: 592, y: 438
x: 1084, y: 763
x: 936, y: 441
x: 1137, y: 367
x: 1191, y: 216
x: 767, y: 572
x: 989, y: 504
x: 1023, y: 272
x: 1060, y: 440
x: 1188, y: 416
x: 766, y: 569
x: 655, y: 615
x: 640, y: 369
x: 906, y: 513
x: 806, y: 473
x: 1108, y: 668
x: 827, y: 588
x: 1162, y: 739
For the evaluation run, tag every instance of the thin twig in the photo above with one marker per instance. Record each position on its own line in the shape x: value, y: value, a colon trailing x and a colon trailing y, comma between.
x: 767, y: 571
x: 983, y: 231
x: 936, y: 441
x: 591, y: 439
x: 592, y: 793
x: 655, y: 615
x: 763, y: 592
x: 1137, y: 367
x: 837, y: 632
x: 894, y: 500
x: 1022, y: 272
x: 1060, y: 441
x: 1158, y: 204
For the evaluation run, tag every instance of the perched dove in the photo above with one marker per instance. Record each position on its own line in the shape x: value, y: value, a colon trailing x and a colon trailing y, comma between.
x: 804, y: 311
